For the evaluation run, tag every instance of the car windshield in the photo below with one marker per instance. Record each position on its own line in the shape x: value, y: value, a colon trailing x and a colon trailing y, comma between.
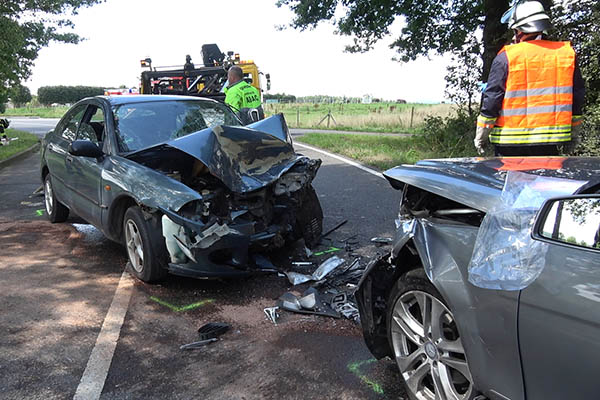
x: 141, y: 125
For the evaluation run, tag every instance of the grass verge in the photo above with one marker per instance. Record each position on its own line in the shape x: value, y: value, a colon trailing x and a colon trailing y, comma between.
x: 42, y: 112
x: 24, y: 141
x: 381, y: 152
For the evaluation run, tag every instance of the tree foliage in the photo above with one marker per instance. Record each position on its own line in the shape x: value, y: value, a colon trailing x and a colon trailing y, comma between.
x: 19, y: 95
x: 578, y: 21
x: 430, y: 26
x: 66, y: 94
x: 26, y: 26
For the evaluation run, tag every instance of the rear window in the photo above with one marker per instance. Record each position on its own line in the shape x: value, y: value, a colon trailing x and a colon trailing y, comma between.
x: 141, y: 125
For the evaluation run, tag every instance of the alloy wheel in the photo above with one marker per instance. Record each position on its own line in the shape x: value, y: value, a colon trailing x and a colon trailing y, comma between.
x: 135, y: 247
x: 49, y: 200
x: 428, y: 349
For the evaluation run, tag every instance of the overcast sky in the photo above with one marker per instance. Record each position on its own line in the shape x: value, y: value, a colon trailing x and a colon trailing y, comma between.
x: 120, y: 33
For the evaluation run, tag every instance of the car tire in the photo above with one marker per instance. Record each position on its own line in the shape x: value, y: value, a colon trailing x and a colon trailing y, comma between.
x: 309, y: 219
x: 57, y: 212
x: 425, y: 342
x: 145, y: 251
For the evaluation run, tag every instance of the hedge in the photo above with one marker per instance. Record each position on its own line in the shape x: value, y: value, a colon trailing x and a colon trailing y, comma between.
x: 66, y: 94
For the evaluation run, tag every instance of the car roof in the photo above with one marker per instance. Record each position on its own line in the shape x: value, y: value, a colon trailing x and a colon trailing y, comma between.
x: 143, y: 98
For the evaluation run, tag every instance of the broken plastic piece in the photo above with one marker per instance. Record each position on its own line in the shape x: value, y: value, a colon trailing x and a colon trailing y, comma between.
x: 381, y: 240
x: 288, y: 301
x: 212, y: 330
x: 195, y: 345
x: 334, y: 228
x: 272, y: 314
x: 326, y: 267
x: 308, y: 301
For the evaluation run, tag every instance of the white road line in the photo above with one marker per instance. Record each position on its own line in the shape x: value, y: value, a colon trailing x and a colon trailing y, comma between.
x: 92, y: 382
x: 340, y: 158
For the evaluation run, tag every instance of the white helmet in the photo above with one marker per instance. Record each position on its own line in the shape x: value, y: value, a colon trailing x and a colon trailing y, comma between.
x: 527, y: 17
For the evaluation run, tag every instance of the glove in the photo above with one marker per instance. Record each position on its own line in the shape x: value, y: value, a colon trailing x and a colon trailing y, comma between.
x: 481, y: 138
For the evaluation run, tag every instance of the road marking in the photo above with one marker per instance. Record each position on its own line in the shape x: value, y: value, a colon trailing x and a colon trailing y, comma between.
x: 175, y: 308
x: 93, y: 378
x: 343, y: 159
x: 354, y: 367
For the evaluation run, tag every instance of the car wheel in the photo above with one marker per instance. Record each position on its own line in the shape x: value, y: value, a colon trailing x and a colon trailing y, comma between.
x: 146, y: 258
x: 56, y: 211
x: 426, y: 342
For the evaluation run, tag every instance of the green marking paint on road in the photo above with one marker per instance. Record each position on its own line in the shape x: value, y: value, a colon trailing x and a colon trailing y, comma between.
x: 39, y: 213
x: 175, y: 308
x: 329, y: 250
x: 354, y: 367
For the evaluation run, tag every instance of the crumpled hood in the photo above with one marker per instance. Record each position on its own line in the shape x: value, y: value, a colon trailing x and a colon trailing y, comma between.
x: 478, y: 182
x: 243, y: 159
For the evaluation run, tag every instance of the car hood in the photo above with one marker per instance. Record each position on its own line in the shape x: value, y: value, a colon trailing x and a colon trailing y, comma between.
x: 243, y: 159
x: 478, y: 182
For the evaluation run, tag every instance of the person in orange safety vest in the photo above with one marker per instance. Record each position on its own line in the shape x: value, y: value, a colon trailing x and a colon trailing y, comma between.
x: 533, y: 100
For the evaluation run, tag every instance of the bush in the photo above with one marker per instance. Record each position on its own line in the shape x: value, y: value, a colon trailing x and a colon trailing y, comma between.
x: 66, y: 94
x: 590, y: 133
x: 451, y: 136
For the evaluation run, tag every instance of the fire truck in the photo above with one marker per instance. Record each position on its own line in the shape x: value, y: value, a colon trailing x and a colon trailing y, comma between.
x: 207, y: 80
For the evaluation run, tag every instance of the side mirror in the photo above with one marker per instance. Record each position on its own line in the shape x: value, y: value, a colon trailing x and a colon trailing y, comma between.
x: 268, y: 76
x: 574, y: 220
x: 85, y: 148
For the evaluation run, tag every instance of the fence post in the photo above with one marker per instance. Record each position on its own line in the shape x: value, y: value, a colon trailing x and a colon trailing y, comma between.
x: 412, y: 114
x: 298, y: 117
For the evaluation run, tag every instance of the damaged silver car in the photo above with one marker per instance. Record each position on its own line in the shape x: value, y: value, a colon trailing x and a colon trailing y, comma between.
x: 492, y: 287
x: 181, y: 183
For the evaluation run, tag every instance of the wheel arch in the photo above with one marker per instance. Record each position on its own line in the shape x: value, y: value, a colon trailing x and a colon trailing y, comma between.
x: 116, y: 214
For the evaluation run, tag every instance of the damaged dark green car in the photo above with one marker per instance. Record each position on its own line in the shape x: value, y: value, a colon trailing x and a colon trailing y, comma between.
x: 181, y: 183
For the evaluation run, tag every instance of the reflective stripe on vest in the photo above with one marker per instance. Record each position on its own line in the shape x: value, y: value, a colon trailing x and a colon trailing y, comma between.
x: 537, y: 105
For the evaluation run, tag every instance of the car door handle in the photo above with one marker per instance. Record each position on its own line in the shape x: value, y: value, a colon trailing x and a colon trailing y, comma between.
x: 69, y: 159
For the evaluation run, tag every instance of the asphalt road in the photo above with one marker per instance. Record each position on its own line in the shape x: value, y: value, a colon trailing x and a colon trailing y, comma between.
x: 58, y: 281
x: 37, y: 126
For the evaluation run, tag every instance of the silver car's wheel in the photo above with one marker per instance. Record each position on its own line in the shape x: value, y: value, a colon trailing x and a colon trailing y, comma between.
x: 135, y: 246
x: 428, y: 349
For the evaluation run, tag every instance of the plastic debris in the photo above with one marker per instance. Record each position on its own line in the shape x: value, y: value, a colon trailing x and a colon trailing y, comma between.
x: 334, y: 229
x: 195, y: 345
x: 381, y: 240
x: 213, y: 330
x: 312, y: 299
x: 272, y: 314
x: 324, y: 269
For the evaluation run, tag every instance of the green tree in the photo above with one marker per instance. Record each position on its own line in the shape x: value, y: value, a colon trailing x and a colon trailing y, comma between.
x: 19, y: 95
x: 26, y: 26
x: 430, y: 26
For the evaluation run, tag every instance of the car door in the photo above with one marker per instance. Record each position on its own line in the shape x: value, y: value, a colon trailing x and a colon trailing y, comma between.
x: 85, y: 173
x: 559, y: 313
x: 57, y: 155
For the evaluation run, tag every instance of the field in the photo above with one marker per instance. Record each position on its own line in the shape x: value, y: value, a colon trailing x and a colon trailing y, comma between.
x: 25, y: 140
x: 376, y: 117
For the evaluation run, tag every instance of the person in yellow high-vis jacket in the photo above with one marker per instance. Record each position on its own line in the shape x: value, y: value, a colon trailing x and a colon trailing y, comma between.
x: 534, y: 95
x: 243, y: 98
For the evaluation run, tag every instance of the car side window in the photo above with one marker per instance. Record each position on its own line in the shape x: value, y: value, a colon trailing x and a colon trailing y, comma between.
x: 92, y: 125
x: 69, y: 131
